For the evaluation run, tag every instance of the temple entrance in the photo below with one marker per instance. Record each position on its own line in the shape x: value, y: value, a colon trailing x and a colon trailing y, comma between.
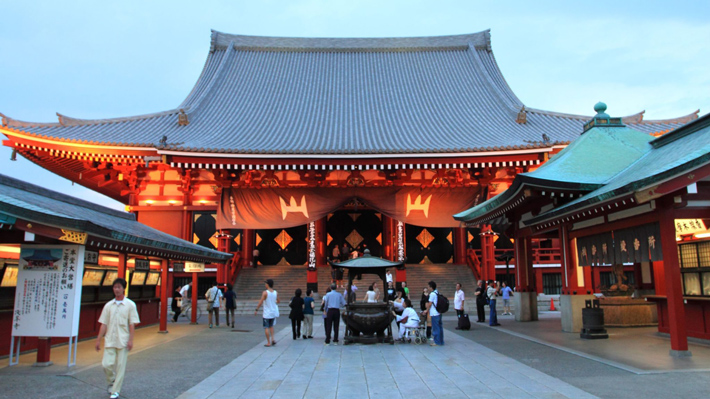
x: 283, y: 246
x: 428, y: 245
x: 359, y: 229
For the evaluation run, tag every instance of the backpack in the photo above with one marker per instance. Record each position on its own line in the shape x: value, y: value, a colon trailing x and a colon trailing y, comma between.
x: 442, y: 303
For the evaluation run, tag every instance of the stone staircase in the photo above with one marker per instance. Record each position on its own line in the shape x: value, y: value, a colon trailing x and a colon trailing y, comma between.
x: 250, y: 284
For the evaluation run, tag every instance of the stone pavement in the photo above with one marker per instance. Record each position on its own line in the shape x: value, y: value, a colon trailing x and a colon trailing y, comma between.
x: 515, y: 360
x: 310, y: 369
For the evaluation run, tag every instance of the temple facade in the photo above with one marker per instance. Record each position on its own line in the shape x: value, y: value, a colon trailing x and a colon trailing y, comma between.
x: 293, y: 146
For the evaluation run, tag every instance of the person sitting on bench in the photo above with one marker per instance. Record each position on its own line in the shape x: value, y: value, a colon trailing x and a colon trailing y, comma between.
x: 408, y: 319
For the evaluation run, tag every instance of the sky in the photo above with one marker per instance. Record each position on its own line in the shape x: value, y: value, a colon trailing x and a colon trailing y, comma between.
x: 101, y: 59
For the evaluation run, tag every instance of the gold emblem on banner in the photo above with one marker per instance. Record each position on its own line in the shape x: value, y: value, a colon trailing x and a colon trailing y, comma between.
x: 470, y: 237
x: 283, y: 239
x: 379, y: 238
x: 74, y: 236
x: 293, y: 207
x: 238, y: 239
x: 258, y: 240
x: 449, y: 237
x: 354, y: 216
x: 283, y: 262
x: 195, y: 238
x: 425, y: 238
x: 330, y: 239
x: 426, y: 261
x: 418, y: 205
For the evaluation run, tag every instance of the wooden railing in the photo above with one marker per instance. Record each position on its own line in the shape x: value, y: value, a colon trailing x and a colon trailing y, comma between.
x: 541, y: 256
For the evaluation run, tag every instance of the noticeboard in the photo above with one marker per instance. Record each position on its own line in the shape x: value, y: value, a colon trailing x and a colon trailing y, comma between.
x: 152, y: 279
x: 9, y: 278
x: 111, y: 275
x: 138, y: 278
x: 48, y: 294
x: 93, y: 277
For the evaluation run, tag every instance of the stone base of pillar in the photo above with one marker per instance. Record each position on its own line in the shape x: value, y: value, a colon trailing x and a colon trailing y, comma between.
x: 675, y: 353
x: 525, y: 306
x: 42, y: 364
x: 571, y: 309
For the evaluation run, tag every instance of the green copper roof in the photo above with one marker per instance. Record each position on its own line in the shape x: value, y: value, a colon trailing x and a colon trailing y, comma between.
x: 669, y: 156
x: 585, y: 165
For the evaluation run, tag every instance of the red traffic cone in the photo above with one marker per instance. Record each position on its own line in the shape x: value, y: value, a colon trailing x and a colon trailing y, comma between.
x: 552, y: 305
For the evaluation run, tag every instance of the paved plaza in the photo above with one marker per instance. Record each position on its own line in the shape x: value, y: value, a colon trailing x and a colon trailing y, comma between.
x: 517, y: 360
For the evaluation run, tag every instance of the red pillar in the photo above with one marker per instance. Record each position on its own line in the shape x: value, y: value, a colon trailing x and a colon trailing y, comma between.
x: 248, y: 244
x: 321, y: 238
x: 569, y: 264
x: 163, y: 296
x: 460, y: 245
x: 674, y: 290
x: 387, y: 232
x: 523, y: 264
x: 193, y: 316
x: 488, y: 259
x: 44, y: 349
x: 121, y: 265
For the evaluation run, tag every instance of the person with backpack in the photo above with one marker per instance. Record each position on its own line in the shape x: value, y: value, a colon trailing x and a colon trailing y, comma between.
x: 213, y: 296
x: 433, y: 307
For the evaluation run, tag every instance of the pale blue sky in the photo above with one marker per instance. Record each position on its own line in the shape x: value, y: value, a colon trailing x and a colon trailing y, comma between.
x: 99, y: 59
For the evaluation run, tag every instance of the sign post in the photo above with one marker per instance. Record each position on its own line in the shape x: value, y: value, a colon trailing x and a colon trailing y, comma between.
x: 48, y: 295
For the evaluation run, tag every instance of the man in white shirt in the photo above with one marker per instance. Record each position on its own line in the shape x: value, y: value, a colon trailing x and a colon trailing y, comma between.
x: 213, y: 296
x: 437, y: 328
x: 118, y: 324
x: 458, y: 301
x: 185, y: 297
x: 389, y: 277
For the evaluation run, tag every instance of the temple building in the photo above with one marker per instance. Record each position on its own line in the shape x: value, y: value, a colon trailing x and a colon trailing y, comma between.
x: 646, y: 205
x: 293, y: 146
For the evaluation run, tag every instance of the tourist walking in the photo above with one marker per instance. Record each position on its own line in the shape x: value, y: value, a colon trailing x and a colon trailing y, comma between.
x: 118, y: 324
x: 213, y: 296
x: 296, y: 314
x: 388, y: 277
x: 492, y: 293
x: 336, y: 253
x: 481, y: 302
x: 506, y: 293
x: 390, y: 291
x: 270, y: 300
x: 345, y: 253
x: 308, y: 306
x: 333, y: 302
x: 185, y: 294
x: 230, y: 303
x: 405, y: 289
x: 437, y: 328
x: 459, y: 299
x: 175, y: 304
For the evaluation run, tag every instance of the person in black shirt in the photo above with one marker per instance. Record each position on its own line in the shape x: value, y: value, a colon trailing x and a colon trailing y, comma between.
x: 296, y: 314
x: 481, y: 302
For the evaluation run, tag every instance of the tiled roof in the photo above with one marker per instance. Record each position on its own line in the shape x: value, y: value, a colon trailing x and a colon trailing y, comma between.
x: 320, y: 96
x: 674, y: 154
x: 33, y: 203
x: 605, y: 164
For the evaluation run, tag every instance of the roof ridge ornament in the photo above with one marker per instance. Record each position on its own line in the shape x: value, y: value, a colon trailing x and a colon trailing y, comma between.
x: 522, y: 116
x: 602, y: 119
x: 182, y: 118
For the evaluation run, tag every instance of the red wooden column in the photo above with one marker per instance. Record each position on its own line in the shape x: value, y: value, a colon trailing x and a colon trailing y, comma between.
x: 460, y: 245
x: 321, y: 241
x: 163, y: 296
x: 193, y: 300
x: 248, y: 244
x: 44, y: 349
x: 488, y: 259
x: 674, y: 291
x: 223, y: 246
x: 121, y: 265
x: 387, y: 237
x: 523, y: 264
